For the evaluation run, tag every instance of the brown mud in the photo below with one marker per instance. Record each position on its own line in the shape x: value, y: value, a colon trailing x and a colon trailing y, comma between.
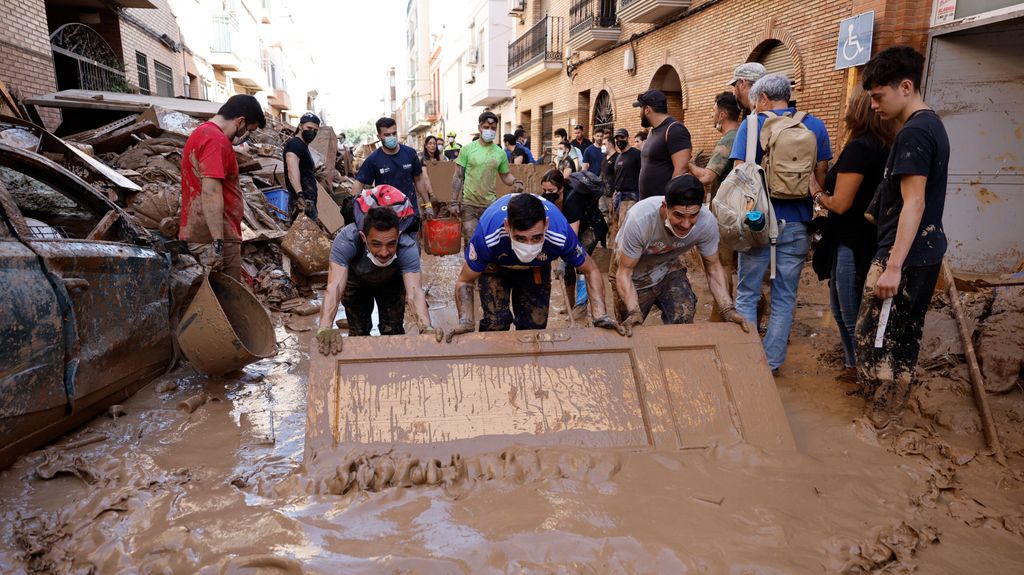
x: 221, y: 489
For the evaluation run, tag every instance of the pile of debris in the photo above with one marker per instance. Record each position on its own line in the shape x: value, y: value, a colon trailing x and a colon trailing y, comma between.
x: 136, y: 161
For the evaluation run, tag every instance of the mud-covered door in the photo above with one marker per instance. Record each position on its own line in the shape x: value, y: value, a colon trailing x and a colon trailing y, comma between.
x: 118, y: 291
x: 31, y: 340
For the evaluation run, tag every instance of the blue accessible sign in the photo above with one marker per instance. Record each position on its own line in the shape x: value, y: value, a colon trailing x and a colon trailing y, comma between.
x: 855, y: 40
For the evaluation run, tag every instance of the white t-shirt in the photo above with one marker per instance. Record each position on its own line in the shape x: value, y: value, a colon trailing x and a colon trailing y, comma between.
x: 644, y: 237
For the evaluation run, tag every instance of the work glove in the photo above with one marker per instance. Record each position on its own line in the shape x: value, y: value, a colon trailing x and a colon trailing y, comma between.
x: 455, y: 209
x: 438, y: 332
x: 606, y: 322
x: 634, y: 318
x: 730, y: 314
x: 464, y: 326
x: 428, y: 212
x: 213, y: 258
x: 329, y: 340
x: 518, y: 186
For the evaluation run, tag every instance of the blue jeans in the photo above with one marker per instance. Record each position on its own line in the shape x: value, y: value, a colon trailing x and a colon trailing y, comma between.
x: 845, y: 289
x: 790, y: 254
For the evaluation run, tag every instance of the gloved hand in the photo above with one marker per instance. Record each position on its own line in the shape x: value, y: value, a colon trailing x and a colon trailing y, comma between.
x: 300, y: 204
x: 463, y: 327
x: 606, y: 322
x: 518, y: 186
x: 635, y: 318
x: 329, y: 340
x: 213, y: 258
x: 730, y: 314
x: 428, y: 212
x: 455, y: 209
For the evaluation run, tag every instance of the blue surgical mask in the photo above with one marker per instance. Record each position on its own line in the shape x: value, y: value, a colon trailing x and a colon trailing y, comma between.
x: 488, y: 135
x: 391, y: 142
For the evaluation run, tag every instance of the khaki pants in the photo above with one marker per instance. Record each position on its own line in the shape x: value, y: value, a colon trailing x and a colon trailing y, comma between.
x: 232, y: 257
x: 619, y: 219
x: 470, y: 218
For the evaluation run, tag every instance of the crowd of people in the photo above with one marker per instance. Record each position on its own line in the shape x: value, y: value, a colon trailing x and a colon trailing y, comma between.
x: 651, y: 200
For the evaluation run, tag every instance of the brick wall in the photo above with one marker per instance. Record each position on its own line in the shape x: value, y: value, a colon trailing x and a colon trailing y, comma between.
x: 704, y: 47
x: 137, y: 29
x: 26, y: 64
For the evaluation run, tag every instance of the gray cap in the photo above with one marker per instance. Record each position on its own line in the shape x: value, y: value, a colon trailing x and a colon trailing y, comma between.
x: 749, y: 71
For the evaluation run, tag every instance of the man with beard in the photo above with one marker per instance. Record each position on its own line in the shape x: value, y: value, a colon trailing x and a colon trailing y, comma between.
x: 667, y: 151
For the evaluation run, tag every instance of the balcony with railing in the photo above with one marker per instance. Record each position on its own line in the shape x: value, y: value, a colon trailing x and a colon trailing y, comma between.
x: 649, y: 10
x: 592, y: 24
x: 236, y: 53
x: 537, y: 54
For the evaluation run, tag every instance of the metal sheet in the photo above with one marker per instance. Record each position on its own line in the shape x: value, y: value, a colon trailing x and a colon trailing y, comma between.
x: 668, y: 387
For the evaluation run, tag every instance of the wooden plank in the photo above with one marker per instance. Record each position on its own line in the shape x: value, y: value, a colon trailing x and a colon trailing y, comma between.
x: 103, y: 228
x: 7, y: 100
x: 327, y: 211
x: 668, y: 387
x: 96, y: 100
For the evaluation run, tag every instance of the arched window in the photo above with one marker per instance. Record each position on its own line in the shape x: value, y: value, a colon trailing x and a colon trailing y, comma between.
x: 667, y: 80
x: 776, y: 59
x: 604, y: 115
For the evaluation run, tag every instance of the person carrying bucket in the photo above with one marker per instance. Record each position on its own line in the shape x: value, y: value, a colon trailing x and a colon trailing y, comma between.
x: 373, y: 261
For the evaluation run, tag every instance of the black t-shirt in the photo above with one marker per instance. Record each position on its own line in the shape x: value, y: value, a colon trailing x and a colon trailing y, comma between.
x: 582, y: 209
x: 581, y: 146
x: 519, y: 152
x: 864, y: 155
x: 921, y: 149
x: 626, y: 171
x: 306, y: 176
x: 656, y: 168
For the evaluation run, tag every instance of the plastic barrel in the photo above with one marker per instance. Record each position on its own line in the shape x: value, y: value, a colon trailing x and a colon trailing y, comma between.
x: 442, y: 236
x: 225, y: 327
x: 278, y: 197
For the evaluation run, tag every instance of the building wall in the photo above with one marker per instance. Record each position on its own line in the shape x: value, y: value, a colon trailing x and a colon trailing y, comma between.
x: 140, y: 28
x: 26, y: 64
x: 703, y: 49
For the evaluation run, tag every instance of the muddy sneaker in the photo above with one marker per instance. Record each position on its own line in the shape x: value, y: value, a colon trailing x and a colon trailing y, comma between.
x: 775, y: 372
x: 848, y: 375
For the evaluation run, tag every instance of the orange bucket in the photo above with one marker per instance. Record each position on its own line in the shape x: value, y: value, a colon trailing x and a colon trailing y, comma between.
x: 442, y: 236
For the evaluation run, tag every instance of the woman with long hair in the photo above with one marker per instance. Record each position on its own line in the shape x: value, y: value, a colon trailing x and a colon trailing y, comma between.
x: 432, y: 151
x: 849, y: 188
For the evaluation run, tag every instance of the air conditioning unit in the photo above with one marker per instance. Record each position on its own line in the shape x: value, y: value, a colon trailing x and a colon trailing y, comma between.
x: 516, y: 7
x: 473, y: 56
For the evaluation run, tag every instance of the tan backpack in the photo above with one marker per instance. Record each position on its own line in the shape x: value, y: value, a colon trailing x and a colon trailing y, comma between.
x: 743, y: 190
x: 790, y: 154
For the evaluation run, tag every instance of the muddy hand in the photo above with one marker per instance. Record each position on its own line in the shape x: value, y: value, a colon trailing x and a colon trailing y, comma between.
x: 635, y: 318
x: 436, y: 331
x: 518, y: 187
x: 730, y: 314
x: 213, y: 258
x: 463, y: 327
x: 606, y: 322
x: 329, y: 340
x: 455, y: 209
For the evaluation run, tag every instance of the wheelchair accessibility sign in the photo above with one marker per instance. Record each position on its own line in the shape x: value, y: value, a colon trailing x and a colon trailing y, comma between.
x: 855, y: 41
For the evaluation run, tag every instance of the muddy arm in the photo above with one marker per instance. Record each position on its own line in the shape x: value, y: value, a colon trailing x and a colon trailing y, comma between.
x: 457, y: 182
x: 624, y: 281
x: 595, y: 287
x: 294, y: 178
x: 414, y: 297
x: 717, y: 282
x: 213, y: 207
x: 464, y: 294
x: 337, y: 277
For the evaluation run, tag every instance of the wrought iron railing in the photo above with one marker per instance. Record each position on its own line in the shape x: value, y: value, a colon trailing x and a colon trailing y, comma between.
x: 587, y: 14
x: 541, y: 43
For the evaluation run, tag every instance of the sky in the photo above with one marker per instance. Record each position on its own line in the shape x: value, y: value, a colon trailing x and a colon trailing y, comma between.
x: 353, y: 42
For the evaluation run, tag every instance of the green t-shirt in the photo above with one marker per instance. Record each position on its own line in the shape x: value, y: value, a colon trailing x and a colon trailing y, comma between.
x: 483, y: 164
x: 720, y: 163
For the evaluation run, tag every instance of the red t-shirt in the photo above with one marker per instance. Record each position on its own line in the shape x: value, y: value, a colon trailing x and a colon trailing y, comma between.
x: 208, y: 154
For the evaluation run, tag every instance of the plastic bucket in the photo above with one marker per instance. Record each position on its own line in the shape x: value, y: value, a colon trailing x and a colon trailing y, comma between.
x: 278, y: 197
x: 442, y: 236
x: 225, y: 328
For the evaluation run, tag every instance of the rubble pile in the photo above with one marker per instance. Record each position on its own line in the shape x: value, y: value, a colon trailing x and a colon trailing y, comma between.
x: 136, y: 162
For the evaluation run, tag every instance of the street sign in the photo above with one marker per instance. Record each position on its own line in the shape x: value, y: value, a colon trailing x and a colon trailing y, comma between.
x: 855, y: 41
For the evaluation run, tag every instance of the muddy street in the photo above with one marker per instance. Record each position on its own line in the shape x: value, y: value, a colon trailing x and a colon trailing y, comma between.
x: 199, y: 474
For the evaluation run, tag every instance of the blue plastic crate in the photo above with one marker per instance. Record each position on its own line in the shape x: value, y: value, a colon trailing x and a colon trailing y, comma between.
x: 278, y: 197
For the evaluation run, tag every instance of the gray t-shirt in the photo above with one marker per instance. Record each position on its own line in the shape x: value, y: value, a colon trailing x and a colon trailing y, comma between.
x: 644, y: 237
x: 348, y: 250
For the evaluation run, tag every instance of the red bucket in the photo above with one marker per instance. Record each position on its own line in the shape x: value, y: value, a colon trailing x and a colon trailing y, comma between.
x: 442, y: 236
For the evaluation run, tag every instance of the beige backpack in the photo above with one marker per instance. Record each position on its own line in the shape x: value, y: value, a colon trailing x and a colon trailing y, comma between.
x: 790, y: 154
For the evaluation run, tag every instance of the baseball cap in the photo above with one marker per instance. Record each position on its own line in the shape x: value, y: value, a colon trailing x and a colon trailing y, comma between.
x: 309, y: 117
x: 750, y: 71
x: 622, y: 132
x: 652, y: 98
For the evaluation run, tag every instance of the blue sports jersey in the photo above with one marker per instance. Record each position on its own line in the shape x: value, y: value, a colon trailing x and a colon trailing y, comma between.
x: 492, y: 245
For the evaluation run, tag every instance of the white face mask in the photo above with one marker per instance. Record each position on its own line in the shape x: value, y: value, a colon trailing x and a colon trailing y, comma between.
x: 604, y: 149
x: 379, y: 263
x: 672, y: 230
x: 527, y: 252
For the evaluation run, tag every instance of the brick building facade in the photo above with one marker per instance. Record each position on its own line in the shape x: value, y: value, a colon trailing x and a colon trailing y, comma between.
x: 690, y: 55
